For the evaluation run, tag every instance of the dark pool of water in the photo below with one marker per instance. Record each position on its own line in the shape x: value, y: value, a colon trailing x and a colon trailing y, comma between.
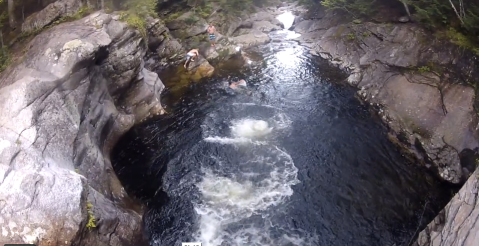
x: 325, y: 174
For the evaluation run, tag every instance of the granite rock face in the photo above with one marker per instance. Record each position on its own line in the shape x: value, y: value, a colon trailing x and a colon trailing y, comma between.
x: 397, y: 70
x: 80, y: 86
x: 54, y: 10
x: 458, y: 223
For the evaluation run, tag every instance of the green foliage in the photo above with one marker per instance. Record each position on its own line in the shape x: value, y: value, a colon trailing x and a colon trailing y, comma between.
x: 439, y: 15
x: 5, y: 59
x: 192, y: 19
x: 136, y: 12
x: 135, y: 21
x: 205, y: 11
x: 235, y: 7
x: 432, y: 13
x: 471, y: 21
x: 353, y: 7
x: 173, y: 16
x: 351, y: 36
x: 460, y: 39
x: 91, y: 218
x: 142, y: 8
x: 424, y: 69
x: 3, y: 17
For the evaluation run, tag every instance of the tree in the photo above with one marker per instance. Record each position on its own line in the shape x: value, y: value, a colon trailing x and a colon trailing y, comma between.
x: 11, y: 13
x: 460, y: 15
x: 353, y: 7
x: 404, y: 2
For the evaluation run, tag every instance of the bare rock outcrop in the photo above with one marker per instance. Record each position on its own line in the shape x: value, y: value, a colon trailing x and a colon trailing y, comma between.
x: 54, y: 11
x: 397, y: 70
x: 458, y: 223
x: 80, y: 86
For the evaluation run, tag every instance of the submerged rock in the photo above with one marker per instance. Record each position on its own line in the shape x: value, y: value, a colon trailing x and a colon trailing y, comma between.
x: 82, y: 85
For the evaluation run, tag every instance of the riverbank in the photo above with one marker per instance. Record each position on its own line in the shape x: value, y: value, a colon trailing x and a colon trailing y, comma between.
x: 422, y: 90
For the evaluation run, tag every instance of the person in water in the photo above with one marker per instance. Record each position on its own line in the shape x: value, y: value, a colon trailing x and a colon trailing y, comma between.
x: 211, y: 32
x: 235, y: 85
x: 191, y: 56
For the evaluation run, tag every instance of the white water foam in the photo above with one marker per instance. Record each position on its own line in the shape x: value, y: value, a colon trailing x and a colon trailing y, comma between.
x: 265, y: 180
x: 227, y: 200
x: 250, y: 128
x: 287, y: 18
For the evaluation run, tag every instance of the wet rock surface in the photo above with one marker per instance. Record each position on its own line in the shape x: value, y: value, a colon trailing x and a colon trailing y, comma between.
x: 82, y: 85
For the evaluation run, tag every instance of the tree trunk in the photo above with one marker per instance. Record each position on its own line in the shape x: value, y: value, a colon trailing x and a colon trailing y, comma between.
x: 457, y: 13
x: 102, y: 4
x: 1, y: 42
x: 11, y: 14
x: 406, y: 8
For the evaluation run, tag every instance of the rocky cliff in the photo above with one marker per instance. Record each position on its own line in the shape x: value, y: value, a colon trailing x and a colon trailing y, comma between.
x: 398, y: 70
x: 79, y: 87
x: 421, y: 88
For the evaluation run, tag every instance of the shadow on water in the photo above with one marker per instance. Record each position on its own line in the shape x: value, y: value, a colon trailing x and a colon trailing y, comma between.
x: 299, y: 162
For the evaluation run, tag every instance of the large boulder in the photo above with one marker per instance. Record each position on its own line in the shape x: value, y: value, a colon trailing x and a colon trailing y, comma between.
x: 187, y: 25
x: 199, y: 68
x: 252, y: 38
x: 164, y: 49
x: 82, y: 86
x: 54, y: 11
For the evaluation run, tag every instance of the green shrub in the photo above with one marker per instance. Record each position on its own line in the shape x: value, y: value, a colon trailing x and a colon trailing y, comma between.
x: 353, y: 7
x: 461, y: 40
x: 424, y: 69
x: 91, y: 218
x: 190, y: 20
x: 135, y: 13
x: 136, y: 22
x: 351, y: 37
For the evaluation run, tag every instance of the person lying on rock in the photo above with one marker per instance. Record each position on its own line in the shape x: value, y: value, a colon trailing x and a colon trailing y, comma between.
x: 211, y: 31
x: 190, y: 56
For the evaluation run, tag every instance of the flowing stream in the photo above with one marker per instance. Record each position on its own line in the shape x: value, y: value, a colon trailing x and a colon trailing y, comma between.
x: 296, y: 162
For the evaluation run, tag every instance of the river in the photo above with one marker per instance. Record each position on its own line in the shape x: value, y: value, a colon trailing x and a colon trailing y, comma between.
x: 299, y: 161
